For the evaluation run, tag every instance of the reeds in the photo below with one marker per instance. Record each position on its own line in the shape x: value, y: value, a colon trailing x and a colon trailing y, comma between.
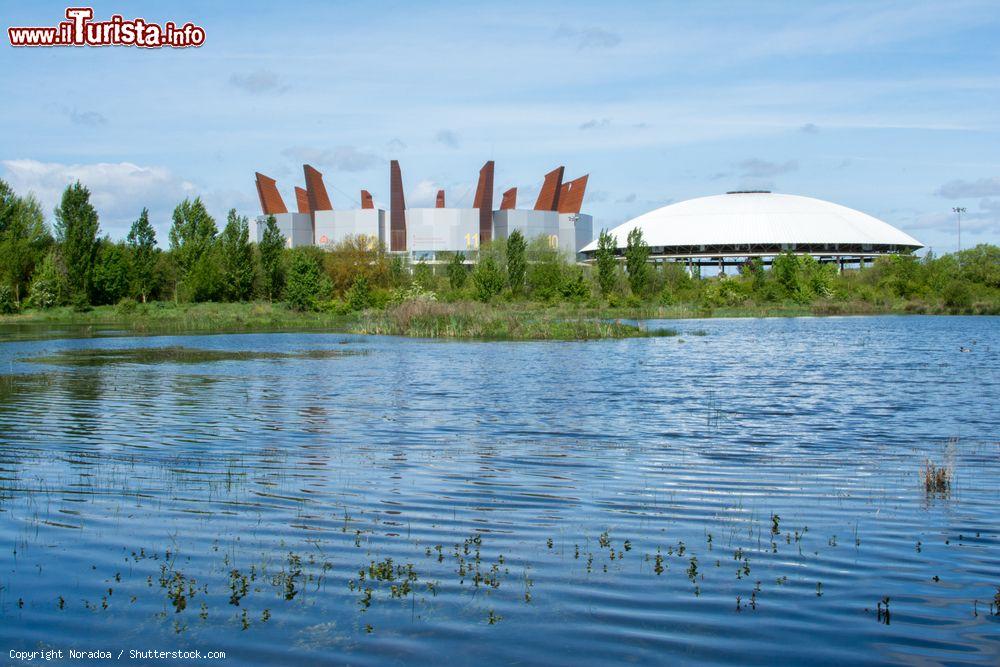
x: 937, y: 479
x: 423, y: 318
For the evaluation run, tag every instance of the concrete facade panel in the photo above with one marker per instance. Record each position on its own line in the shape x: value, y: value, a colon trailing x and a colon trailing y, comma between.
x: 442, y: 229
x: 297, y: 228
x: 332, y: 227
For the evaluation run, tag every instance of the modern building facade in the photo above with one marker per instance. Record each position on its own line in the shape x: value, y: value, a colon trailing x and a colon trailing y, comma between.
x: 727, y: 230
x: 424, y: 233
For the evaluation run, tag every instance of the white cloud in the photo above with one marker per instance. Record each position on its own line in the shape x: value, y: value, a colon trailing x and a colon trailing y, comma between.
x: 447, y: 137
x: 341, y: 158
x: 87, y: 118
x: 959, y: 189
x: 757, y: 168
x: 118, y: 191
x: 974, y: 222
x: 589, y: 38
x: 259, y: 82
x: 423, y: 194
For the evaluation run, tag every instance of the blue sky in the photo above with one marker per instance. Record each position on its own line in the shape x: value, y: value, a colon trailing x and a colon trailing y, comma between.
x: 892, y: 108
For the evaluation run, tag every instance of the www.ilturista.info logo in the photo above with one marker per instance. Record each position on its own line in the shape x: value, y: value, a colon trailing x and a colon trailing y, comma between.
x: 80, y: 30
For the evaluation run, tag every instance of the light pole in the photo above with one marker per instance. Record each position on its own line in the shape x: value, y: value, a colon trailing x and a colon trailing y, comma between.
x: 959, y: 210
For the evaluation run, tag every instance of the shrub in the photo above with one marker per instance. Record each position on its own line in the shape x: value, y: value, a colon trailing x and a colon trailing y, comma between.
x: 8, y: 305
x: 423, y: 275
x: 127, y: 306
x: 575, y: 286
x: 516, y: 261
x: 636, y: 258
x: 359, y: 296
x: 456, y: 271
x: 488, y: 279
x: 957, y: 295
x: 48, y: 285
x: 411, y: 293
x: 607, y: 265
x: 302, y: 291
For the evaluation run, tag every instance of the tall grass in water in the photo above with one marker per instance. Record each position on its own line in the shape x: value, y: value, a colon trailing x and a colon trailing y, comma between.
x: 432, y: 319
x: 937, y: 479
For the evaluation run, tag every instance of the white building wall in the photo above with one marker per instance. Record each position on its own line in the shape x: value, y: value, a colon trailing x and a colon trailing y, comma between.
x: 576, y: 229
x: 332, y: 227
x: 569, y: 232
x: 295, y: 227
x: 442, y: 229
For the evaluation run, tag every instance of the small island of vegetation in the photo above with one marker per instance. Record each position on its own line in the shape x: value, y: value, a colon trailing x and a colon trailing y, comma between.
x: 514, y: 288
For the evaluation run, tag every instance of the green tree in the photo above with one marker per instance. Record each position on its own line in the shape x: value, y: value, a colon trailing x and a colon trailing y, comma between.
x: 271, y: 245
x: 575, y: 286
x: 359, y: 295
x: 456, y: 271
x: 111, y: 273
x: 981, y: 264
x: 788, y: 273
x: 48, y: 284
x: 76, y: 232
x: 516, y: 261
x: 142, y: 244
x: 24, y: 240
x: 302, y: 292
x: 192, y: 239
x: 607, y: 265
x: 545, y: 271
x: 423, y: 275
x: 237, y: 257
x: 488, y: 279
x: 636, y: 262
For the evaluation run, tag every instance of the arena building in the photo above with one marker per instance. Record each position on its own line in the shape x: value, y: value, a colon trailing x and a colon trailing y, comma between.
x: 728, y: 230
x: 424, y: 233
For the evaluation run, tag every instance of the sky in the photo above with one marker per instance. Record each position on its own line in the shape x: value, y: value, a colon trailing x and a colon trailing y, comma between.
x: 892, y: 108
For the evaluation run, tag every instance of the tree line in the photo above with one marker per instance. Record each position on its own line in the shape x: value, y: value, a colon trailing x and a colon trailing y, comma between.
x: 73, y: 264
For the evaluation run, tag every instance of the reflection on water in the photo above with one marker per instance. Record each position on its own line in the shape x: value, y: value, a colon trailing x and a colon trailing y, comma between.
x: 750, y: 490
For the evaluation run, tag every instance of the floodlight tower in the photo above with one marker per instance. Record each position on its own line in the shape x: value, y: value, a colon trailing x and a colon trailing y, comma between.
x: 959, y: 210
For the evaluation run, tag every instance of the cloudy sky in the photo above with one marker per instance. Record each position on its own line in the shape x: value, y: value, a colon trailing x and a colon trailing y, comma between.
x: 892, y: 108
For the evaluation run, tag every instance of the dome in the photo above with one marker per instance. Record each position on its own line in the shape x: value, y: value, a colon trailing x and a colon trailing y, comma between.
x: 761, y: 223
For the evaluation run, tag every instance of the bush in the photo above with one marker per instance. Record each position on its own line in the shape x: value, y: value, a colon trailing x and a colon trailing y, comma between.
x: 488, y: 279
x: 957, y: 295
x: 423, y: 275
x: 302, y: 291
x: 359, y: 296
x: 336, y: 307
x: 575, y: 286
x: 8, y: 305
x: 126, y: 306
x: 48, y: 285
x: 413, y: 292
x: 456, y: 271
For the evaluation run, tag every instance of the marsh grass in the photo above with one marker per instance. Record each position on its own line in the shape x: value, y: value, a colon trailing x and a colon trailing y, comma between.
x: 432, y: 319
x: 937, y: 479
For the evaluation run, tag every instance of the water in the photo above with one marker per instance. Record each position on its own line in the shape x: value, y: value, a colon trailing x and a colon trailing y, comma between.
x: 223, y: 494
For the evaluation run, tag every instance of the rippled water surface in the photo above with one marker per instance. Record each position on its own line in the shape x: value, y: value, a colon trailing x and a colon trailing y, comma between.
x: 750, y: 490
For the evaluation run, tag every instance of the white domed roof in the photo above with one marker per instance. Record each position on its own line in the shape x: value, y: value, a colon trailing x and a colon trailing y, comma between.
x: 760, y: 219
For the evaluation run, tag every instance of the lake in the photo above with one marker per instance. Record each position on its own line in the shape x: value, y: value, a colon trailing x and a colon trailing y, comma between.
x: 747, y: 491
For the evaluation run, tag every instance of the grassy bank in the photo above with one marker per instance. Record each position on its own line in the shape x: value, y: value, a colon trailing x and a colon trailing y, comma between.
x: 166, y: 317
x: 423, y: 318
